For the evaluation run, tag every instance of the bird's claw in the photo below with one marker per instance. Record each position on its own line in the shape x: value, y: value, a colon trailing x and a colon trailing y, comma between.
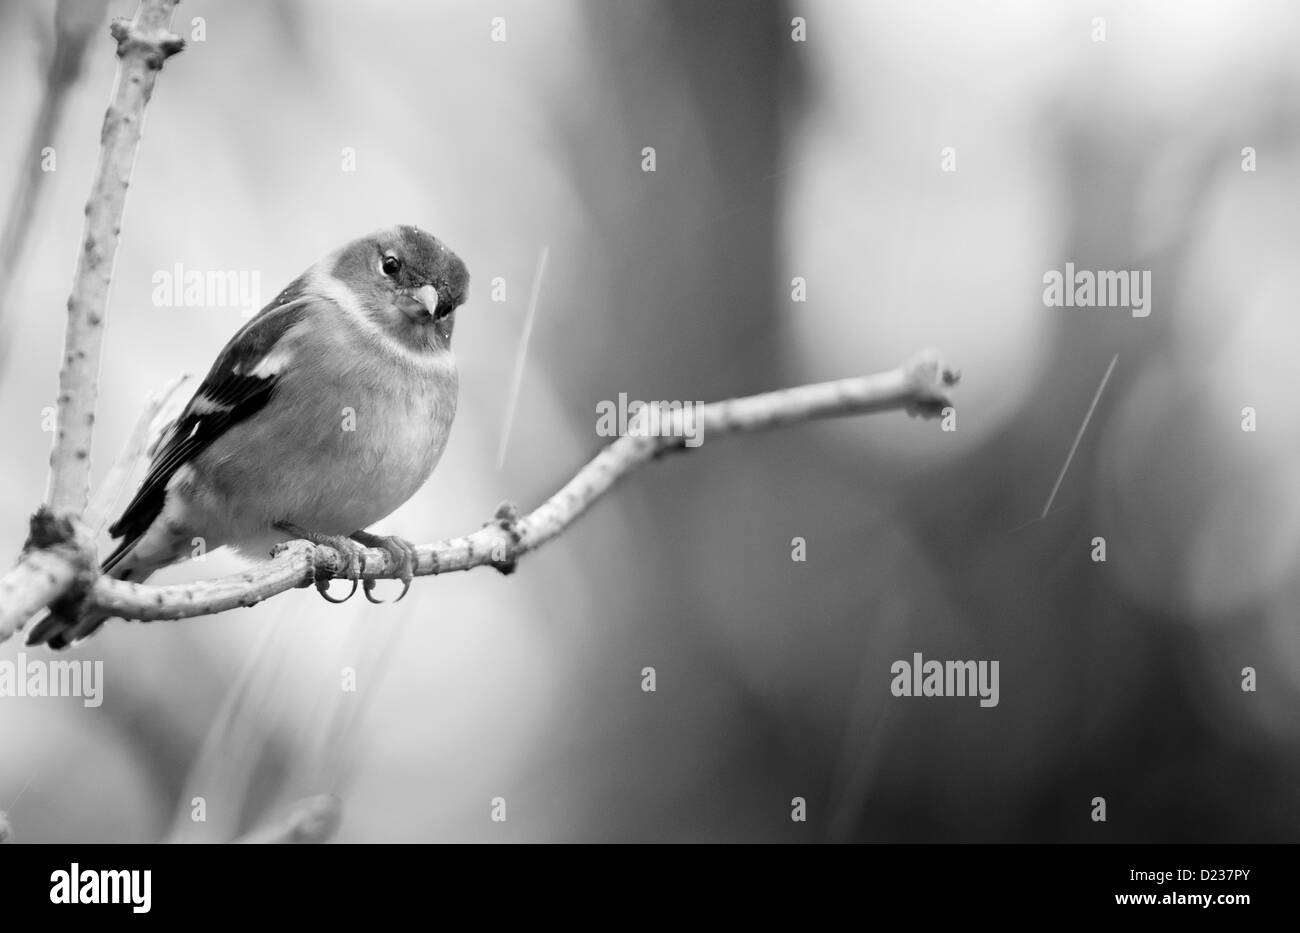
x: 323, y: 587
x: 368, y: 588
x: 353, y: 558
x: 401, y: 551
x: 354, y: 565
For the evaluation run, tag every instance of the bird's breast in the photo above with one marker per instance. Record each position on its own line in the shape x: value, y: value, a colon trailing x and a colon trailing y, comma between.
x: 335, y: 452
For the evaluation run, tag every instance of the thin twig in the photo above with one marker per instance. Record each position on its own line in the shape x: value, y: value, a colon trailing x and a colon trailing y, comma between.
x: 142, y: 45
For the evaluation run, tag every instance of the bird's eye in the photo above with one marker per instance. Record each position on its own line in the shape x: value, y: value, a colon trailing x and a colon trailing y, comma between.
x: 392, y: 265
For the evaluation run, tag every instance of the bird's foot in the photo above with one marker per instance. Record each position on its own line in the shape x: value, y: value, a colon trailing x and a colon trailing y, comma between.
x: 353, y: 558
x: 400, y: 550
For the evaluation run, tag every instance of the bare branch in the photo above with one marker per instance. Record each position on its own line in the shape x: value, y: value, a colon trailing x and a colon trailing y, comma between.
x: 919, y: 387
x: 142, y: 45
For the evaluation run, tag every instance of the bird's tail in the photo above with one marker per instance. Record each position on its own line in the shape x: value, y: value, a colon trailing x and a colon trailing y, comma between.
x: 59, y: 630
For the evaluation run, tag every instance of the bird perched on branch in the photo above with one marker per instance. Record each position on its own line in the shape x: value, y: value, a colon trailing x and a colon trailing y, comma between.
x: 321, y: 416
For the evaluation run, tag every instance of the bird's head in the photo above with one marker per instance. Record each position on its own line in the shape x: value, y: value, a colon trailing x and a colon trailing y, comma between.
x: 407, y: 282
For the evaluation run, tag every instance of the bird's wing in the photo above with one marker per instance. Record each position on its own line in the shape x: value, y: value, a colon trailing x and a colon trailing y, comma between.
x: 237, y: 386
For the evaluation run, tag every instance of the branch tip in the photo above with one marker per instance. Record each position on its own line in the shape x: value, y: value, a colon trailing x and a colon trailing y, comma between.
x: 928, y: 376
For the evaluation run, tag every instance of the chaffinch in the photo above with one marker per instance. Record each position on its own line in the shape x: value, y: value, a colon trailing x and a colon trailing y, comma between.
x: 321, y: 416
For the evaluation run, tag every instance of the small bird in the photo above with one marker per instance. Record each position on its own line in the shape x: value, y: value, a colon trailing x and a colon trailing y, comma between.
x: 321, y: 416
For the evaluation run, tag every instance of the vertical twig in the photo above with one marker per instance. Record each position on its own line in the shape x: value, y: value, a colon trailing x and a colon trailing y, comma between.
x: 142, y: 45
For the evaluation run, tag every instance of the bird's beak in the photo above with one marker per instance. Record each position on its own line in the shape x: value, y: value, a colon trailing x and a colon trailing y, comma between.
x: 420, y: 304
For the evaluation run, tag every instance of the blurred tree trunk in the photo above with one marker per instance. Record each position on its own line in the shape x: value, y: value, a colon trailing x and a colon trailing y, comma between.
x: 676, y: 297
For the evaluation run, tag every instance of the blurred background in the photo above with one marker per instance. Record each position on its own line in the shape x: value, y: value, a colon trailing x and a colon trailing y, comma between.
x: 774, y: 159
